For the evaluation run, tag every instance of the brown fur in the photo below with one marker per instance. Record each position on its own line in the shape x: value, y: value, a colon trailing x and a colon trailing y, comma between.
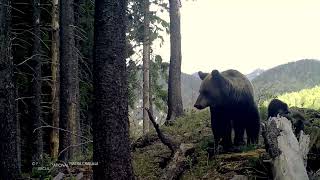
x: 230, y: 97
x: 278, y: 107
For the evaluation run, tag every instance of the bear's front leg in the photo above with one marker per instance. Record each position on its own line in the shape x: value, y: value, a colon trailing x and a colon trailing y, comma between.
x: 218, y: 128
x: 226, y: 138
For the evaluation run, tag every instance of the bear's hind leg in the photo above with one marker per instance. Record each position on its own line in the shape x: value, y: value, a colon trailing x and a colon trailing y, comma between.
x: 253, y: 126
x: 239, y: 128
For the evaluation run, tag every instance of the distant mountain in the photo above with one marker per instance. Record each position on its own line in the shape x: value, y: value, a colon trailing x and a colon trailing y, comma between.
x: 190, y: 85
x: 195, y: 75
x: 254, y: 74
x: 290, y: 77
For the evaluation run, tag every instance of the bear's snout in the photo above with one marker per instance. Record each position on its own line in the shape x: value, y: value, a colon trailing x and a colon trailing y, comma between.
x: 198, y: 106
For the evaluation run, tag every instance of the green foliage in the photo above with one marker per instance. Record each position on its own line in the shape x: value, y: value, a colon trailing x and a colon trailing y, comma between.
x: 193, y: 127
x: 86, y: 30
x: 133, y: 83
x: 42, y: 168
x: 135, y: 26
x: 191, y: 123
x: 248, y: 148
x: 159, y: 94
x: 135, y: 35
x: 143, y: 161
x: 306, y: 98
x: 86, y: 90
x: 206, y: 142
x: 263, y: 112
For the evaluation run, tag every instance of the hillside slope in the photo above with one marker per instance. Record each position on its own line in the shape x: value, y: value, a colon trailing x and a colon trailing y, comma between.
x: 254, y: 74
x: 194, y: 128
x: 290, y: 77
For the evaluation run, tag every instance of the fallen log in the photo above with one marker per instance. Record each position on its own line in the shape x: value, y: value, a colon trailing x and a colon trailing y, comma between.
x: 182, y: 155
x: 288, y: 155
x: 242, y: 155
x: 145, y: 140
x: 182, y: 160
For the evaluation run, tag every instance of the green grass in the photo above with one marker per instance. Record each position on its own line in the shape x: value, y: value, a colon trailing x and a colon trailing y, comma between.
x: 191, y: 128
x: 194, y: 128
x: 306, y: 98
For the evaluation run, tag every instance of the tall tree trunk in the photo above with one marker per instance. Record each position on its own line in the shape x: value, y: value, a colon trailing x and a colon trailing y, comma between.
x: 175, y: 107
x: 55, y: 94
x: 35, y: 108
x: 111, y: 147
x: 77, y: 16
x: 69, y: 83
x: 146, y: 61
x: 9, y: 160
x: 150, y: 90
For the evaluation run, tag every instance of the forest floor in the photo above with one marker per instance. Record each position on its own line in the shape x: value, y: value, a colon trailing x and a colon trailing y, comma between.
x: 151, y: 158
x: 194, y: 128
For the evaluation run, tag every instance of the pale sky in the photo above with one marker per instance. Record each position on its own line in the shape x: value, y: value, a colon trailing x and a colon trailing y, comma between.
x: 247, y: 34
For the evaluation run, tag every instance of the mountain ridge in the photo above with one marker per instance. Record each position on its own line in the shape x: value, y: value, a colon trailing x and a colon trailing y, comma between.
x: 289, y: 77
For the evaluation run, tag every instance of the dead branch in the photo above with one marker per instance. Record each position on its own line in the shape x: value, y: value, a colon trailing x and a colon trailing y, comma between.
x: 60, y: 129
x: 73, y: 146
x: 164, y: 139
x: 183, y: 159
x: 182, y: 155
x: 144, y: 141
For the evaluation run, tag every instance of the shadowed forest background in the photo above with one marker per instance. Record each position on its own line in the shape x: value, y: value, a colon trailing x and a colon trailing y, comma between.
x: 84, y: 82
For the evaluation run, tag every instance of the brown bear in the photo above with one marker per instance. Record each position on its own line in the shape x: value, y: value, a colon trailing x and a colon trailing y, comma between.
x: 277, y: 107
x: 229, y: 95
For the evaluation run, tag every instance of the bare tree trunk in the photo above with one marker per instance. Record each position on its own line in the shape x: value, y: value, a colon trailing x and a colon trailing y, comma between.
x: 55, y: 94
x: 175, y: 107
x: 111, y: 147
x: 146, y: 61
x: 37, y: 136
x: 150, y: 92
x: 77, y: 4
x: 9, y: 160
x: 69, y: 82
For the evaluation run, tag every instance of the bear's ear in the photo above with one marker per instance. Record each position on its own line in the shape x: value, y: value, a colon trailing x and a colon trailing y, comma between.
x: 202, y: 75
x: 216, y: 76
x: 215, y: 73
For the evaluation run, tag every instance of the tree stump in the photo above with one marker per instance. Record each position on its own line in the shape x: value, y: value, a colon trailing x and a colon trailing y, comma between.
x: 288, y: 154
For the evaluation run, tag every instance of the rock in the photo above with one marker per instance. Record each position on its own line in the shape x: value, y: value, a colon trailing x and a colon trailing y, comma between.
x: 187, y: 149
x: 59, y: 176
x: 79, y: 176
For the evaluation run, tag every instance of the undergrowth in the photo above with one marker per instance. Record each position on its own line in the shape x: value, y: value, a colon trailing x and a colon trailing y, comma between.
x: 194, y: 128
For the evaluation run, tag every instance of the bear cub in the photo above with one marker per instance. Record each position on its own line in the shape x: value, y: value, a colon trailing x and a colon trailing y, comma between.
x: 277, y: 107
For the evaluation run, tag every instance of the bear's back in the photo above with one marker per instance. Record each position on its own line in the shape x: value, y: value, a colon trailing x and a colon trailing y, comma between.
x: 240, y: 83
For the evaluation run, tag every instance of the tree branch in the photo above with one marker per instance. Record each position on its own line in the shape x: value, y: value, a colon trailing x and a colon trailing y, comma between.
x: 48, y: 126
x: 165, y: 140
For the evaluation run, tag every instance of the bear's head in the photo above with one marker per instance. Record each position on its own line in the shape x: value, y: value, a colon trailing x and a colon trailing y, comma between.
x: 211, y: 89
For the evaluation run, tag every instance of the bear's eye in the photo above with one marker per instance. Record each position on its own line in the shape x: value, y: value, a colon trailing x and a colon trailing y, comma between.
x: 205, y: 93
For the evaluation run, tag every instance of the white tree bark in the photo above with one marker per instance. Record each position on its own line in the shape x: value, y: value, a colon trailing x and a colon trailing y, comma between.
x: 288, y: 154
